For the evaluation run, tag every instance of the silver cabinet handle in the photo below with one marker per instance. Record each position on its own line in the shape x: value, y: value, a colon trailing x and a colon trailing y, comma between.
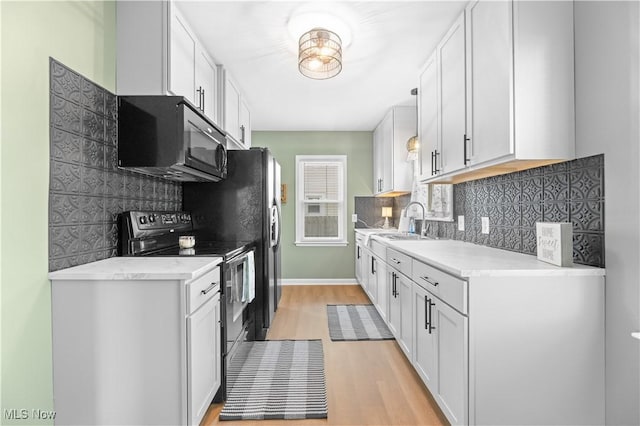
x: 208, y: 289
x: 433, y: 283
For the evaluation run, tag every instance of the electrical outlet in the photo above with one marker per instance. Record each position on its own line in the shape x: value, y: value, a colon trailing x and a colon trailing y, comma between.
x: 485, y: 225
x: 354, y: 218
x: 460, y: 223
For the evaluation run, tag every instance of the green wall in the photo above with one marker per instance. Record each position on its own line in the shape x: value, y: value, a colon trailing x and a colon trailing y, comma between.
x: 81, y: 35
x: 319, y: 262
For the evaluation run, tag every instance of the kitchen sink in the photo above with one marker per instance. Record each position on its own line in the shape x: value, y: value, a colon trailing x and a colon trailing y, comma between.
x: 401, y: 236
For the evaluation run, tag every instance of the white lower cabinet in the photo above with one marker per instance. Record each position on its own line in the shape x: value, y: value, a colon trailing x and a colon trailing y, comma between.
x: 400, y: 310
x: 358, y: 262
x: 451, y: 331
x: 424, y: 358
x: 372, y: 281
x: 511, y: 340
x: 135, y: 346
x: 404, y: 291
x: 382, y: 298
x: 203, y: 366
x: 394, y: 318
x: 441, y: 350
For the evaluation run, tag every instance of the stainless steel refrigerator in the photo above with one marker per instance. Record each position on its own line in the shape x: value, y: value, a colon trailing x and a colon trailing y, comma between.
x: 245, y: 207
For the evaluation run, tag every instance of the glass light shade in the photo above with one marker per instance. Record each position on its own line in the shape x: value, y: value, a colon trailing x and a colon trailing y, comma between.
x: 320, y: 54
x: 413, y: 144
x: 387, y: 212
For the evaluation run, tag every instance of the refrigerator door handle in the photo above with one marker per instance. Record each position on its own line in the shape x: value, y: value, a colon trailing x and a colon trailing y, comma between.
x: 272, y: 225
x: 278, y: 224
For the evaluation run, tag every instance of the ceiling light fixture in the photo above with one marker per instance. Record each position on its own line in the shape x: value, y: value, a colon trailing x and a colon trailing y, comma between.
x: 320, y: 54
x: 413, y: 144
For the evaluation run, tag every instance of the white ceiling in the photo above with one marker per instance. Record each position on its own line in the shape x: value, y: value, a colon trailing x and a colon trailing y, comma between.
x: 390, y: 43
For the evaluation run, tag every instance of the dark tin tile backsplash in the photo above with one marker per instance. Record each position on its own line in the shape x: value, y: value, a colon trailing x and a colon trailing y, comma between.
x: 572, y: 191
x: 86, y: 188
x: 369, y: 210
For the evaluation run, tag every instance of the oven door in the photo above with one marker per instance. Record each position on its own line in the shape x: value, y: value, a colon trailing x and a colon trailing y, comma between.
x: 235, y: 302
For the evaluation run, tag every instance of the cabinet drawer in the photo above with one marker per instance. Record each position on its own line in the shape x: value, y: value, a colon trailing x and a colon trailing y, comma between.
x: 359, y: 238
x: 450, y: 289
x: 400, y: 261
x: 378, y: 249
x: 201, y: 289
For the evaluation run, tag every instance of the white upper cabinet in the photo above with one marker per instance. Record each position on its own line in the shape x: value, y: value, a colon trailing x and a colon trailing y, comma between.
x: 489, y: 97
x: 391, y: 171
x: 505, y: 92
x: 245, y: 124
x: 206, y: 84
x: 452, y: 104
x: 182, y: 60
x: 237, y: 117
x: 430, y: 151
x: 231, y: 108
x: 159, y: 54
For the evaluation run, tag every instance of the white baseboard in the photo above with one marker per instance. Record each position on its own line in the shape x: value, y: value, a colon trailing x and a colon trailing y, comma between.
x: 319, y: 281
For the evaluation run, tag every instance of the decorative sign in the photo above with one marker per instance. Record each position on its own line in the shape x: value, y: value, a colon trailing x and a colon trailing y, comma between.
x: 555, y: 242
x: 283, y: 193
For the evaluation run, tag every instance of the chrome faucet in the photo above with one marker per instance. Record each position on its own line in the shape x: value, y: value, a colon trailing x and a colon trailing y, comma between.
x: 406, y: 209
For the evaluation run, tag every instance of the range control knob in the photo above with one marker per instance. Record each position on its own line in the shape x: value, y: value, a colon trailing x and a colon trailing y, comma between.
x: 152, y: 218
x: 142, y: 220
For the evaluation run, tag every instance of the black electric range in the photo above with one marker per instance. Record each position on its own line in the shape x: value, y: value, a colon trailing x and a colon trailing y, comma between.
x: 157, y: 233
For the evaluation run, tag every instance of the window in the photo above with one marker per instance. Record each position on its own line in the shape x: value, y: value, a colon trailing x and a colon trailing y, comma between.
x: 321, y: 213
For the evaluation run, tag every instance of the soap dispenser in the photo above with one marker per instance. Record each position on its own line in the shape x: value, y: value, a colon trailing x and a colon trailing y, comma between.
x: 412, y: 225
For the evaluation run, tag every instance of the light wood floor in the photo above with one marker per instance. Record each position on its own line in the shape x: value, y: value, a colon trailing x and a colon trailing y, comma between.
x: 368, y: 382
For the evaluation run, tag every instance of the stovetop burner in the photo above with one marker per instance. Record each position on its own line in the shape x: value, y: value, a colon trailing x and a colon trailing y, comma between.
x: 227, y: 250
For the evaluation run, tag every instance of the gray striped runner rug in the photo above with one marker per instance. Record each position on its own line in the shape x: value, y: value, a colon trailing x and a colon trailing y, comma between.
x: 356, y: 322
x: 277, y: 379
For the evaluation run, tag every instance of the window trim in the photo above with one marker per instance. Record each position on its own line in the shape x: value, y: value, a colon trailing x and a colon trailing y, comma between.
x: 301, y: 203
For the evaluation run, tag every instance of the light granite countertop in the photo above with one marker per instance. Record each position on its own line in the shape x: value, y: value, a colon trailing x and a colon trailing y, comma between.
x: 139, y: 268
x: 472, y: 260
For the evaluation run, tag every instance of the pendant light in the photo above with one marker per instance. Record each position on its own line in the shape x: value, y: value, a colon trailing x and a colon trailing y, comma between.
x: 413, y: 144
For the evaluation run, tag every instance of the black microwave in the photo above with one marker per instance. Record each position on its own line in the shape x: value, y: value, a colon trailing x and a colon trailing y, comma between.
x: 167, y: 137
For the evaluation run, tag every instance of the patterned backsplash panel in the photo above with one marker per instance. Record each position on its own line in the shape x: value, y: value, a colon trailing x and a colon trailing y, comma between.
x: 86, y: 188
x: 369, y: 211
x: 572, y: 191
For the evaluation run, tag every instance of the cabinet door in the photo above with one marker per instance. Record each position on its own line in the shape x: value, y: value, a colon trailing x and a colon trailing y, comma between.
x: 182, y: 60
x: 452, y: 102
x: 489, y: 79
x: 364, y: 274
x: 232, y: 109
x: 430, y: 154
x: 206, y: 96
x: 404, y: 290
x: 452, y: 360
x: 377, y: 159
x: 203, y: 358
x: 245, y: 124
x: 382, y: 299
x: 372, y: 284
x: 394, y: 303
x: 358, y: 263
x: 424, y: 351
x: 386, y: 153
